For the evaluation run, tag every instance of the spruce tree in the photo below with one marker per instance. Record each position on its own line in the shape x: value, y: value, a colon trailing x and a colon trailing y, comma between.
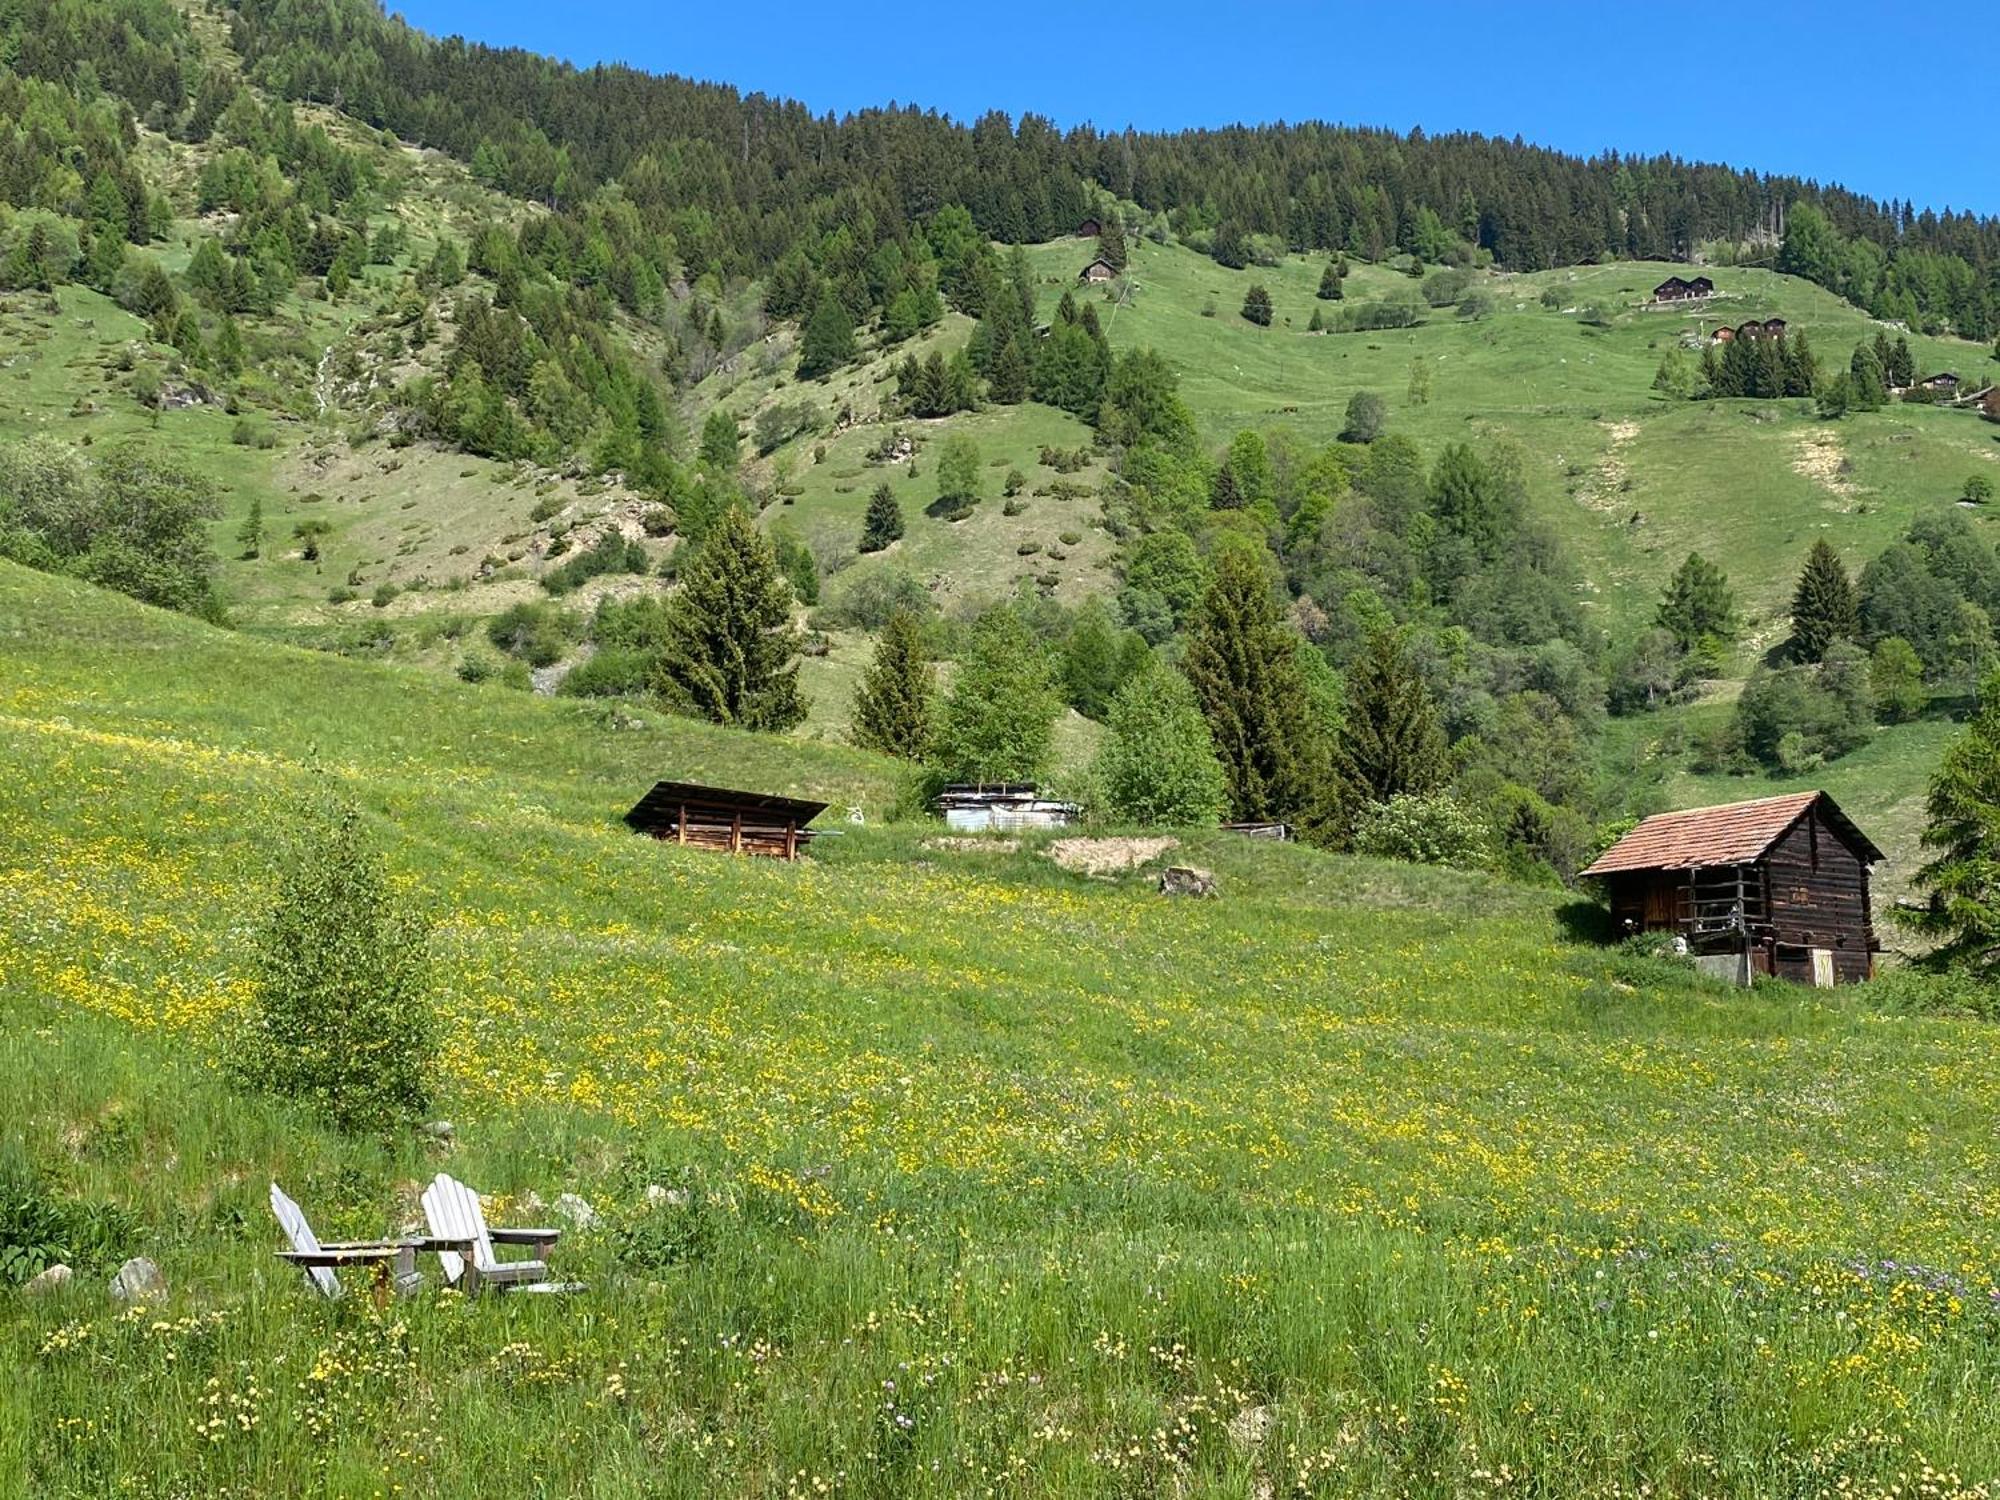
x: 1391, y: 740
x: 729, y: 651
x: 884, y: 521
x: 1007, y: 378
x: 1697, y: 604
x: 721, y: 444
x: 1157, y: 764
x: 1257, y: 307
x: 1962, y: 878
x: 829, y: 339
x: 1825, y: 608
x: 250, y: 535
x: 893, y: 705
x: 1329, y: 283
x: 1243, y: 664
x: 1111, y: 243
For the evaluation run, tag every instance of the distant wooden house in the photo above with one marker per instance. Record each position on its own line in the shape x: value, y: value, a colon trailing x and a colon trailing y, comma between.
x: 713, y: 817
x: 1676, y: 289
x: 1777, y: 886
x: 1089, y: 229
x: 1769, y: 328
x: 1006, y: 806
x: 1724, y: 335
x: 1945, y: 383
x: 1098, y: 270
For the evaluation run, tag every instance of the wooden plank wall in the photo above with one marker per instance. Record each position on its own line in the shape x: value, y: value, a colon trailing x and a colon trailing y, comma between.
x: 1819, y: 899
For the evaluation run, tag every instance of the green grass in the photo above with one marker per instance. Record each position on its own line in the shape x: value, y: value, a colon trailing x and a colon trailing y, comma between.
x: 1000, y: 1178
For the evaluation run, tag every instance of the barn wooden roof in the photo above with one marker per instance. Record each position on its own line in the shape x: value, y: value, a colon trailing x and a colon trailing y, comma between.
x: 663, y: 803
x: 1732, y: 834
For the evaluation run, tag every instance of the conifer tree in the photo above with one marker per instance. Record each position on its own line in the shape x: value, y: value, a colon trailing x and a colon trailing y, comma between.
x: 884, y: 521
x: 1391, y: 740
x: 1007, y: 379
x: 721, y: 444
x: 729, y: 651
x: 1111, y: 243
x: 1314, y: 324
x: 1157, y: 764
x: 1825, y: 607
x: 1962, y: 877
x: 1697, y: 604
x: 893, y: 705
x: 829, y: 339
x: 1243, y: 664
x: 1329, y: 283
x: 250, y: 535
x: 1257, y: 307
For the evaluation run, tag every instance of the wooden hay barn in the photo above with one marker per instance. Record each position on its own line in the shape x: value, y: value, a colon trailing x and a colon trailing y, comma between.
x: 1089, y: 229
x: 1098, y: 270
x: 1777, y: 886
x: 712, y: 817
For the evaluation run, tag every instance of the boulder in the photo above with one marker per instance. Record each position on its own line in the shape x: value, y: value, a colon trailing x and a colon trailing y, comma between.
x: 138, y: 1280
x: 54, y: 1279
x: 1186, y: 880
x: 577, y: 1211
x: 440, y: 1130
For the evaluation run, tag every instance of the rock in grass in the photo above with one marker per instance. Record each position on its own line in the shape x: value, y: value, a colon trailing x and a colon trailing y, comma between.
x: 439, y: 1130
x: 1186, y: 880
x: 138, y: 1280
x: 578, y: 1211
x: 54, y: 1279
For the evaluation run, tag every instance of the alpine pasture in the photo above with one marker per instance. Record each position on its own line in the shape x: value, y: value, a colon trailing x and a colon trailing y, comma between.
x: 970, y: 1175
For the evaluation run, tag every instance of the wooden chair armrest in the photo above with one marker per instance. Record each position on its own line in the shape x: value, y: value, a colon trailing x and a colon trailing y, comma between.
x: 524, y: 1236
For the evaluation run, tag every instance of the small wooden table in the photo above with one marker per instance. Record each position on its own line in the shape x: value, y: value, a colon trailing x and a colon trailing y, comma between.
x: 394, y: 1261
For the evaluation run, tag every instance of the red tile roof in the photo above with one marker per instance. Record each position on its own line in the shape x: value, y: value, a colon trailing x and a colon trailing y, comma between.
x: 1732, y: 834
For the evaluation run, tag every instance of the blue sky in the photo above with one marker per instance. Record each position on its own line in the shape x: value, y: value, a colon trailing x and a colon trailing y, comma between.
x: 1884, y: 98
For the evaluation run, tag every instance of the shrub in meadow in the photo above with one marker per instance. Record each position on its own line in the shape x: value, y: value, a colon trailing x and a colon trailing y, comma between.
x: 343, y: 1019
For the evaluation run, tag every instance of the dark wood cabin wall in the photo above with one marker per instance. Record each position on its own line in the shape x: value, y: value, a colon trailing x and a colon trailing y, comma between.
x: 1819, y: 896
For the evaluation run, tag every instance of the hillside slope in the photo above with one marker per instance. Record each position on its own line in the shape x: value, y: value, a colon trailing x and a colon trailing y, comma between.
x: 1068, y: 1176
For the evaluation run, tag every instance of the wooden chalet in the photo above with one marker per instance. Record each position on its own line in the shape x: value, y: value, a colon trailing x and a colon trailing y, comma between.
x: 1945, y: 383
x: 1089, y: 229
x: 1098, y: 270
x: 1676, y: 289
x: 713, y: 817
x: 1777, y: 886
x: 1724, y: 334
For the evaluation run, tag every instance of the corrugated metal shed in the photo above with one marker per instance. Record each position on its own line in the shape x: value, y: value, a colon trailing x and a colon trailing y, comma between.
x: 1732, y: 834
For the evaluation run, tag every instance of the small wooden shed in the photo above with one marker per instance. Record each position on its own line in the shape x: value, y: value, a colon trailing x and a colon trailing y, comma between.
x: 1002, y: 806
x: 1776, y: 886
x: 1089, y: 229
x: 1098, y: 270
x: 713, y: 817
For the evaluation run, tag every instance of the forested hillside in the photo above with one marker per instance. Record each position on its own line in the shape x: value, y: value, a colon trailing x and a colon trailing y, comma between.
x: 459, y: 355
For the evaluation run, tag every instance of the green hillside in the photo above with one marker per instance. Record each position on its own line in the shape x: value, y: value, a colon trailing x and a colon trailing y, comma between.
x: 1361, y: 1179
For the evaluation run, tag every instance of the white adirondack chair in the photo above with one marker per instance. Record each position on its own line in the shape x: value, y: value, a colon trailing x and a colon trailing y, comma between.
x: 453, y: 1212
x: 395, y: 1260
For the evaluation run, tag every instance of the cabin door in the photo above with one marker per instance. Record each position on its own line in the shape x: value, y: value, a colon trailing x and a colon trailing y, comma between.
x: 1822, y: 966
x: 1662, y: 904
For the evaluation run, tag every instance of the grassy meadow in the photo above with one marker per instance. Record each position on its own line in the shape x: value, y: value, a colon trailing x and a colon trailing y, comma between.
x: 982, y: 1177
